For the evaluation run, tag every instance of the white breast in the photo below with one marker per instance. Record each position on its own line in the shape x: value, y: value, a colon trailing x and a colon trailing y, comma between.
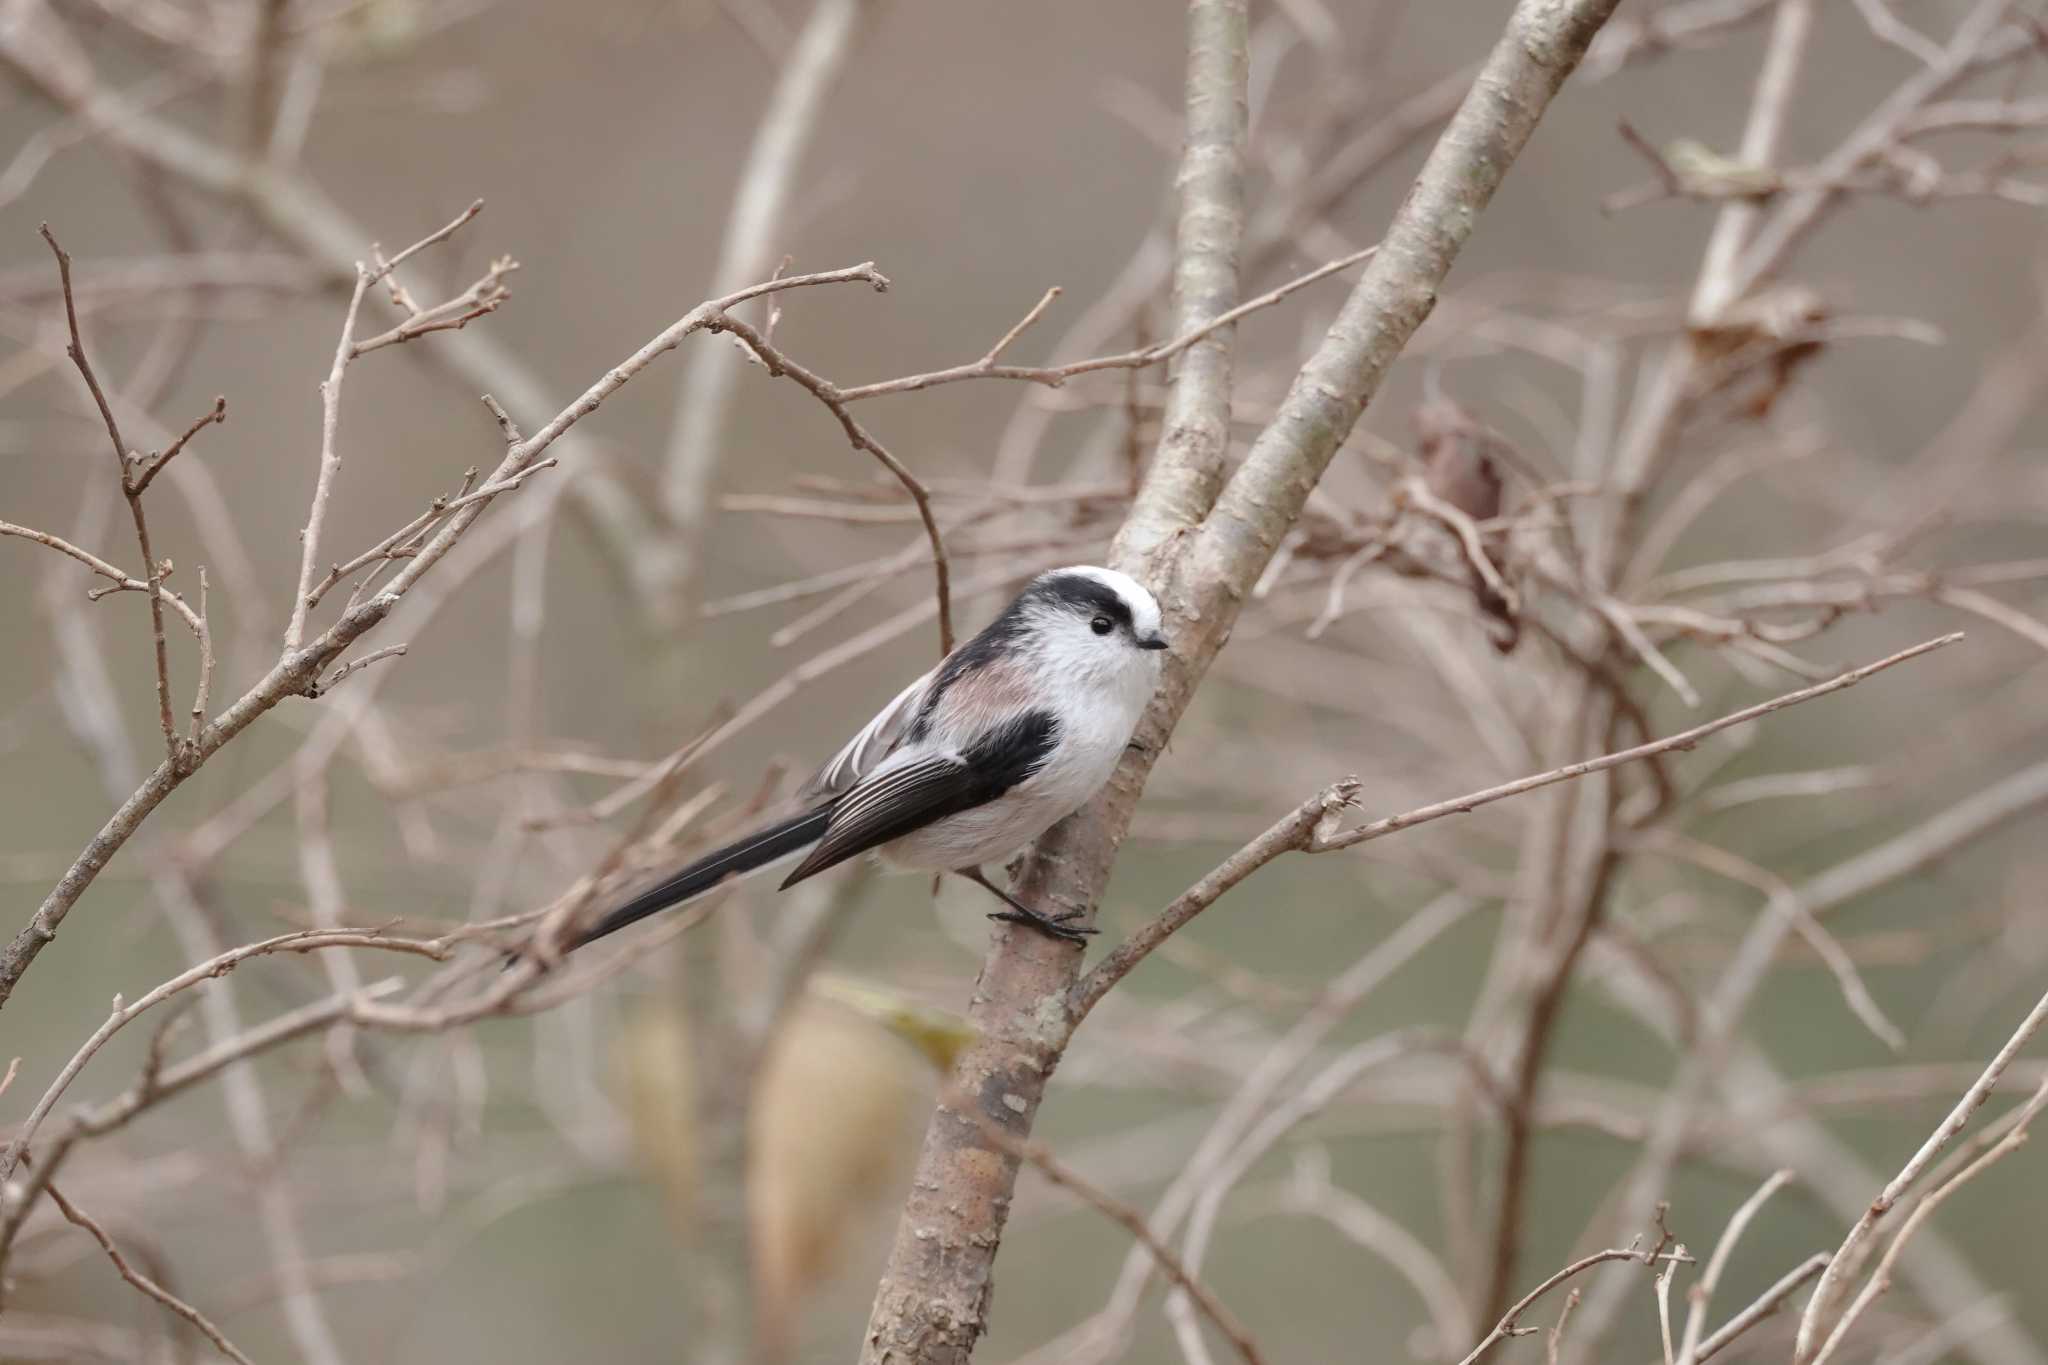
x: 1095, y: 728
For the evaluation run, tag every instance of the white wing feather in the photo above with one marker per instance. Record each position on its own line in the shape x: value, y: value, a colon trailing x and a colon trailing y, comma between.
x: 875, y: 742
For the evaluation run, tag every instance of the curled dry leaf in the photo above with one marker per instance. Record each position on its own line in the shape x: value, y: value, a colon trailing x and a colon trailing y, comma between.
x: 1462, y: 468
x: 1752, y: 350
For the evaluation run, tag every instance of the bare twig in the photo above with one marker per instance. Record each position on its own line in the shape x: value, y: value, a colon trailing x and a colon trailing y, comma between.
x: 1702, y: 1291
x: 1685, y: 739
x: 1023, y: 325
x: 481, y: 299
x: 386, y: 268
x: 345, y: 351
x: 405, y: 541
x: 176, y: 752
x: 1509, y: 1326
x: 2015, y: 1133
x: 147, y: 471
x: 1556, y: 1337
x: 825, y: 392
x: 1297, y: 831
x: 148, y: 1287
x: 157, y: 1085
x: 1309, y: 1192
x: 308, y: 940
x: 1889, y: 28
x: 1720, y: 1012
x: 1820, y: 1309
x: 1133, y: 1222
x: 1262, y: 1092
x: 1661, y: 1284
x: 1056, y: 376
x: 330, y: 463
x: 317, y: 688
x: 1791, y: 29
x: 1767, y: 1303
x: 120, y: 580
x: 1685, y: 24
x: 1784, y: 901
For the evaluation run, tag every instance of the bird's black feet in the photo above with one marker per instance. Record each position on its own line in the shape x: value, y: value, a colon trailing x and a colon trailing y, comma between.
x: 1060, y: 927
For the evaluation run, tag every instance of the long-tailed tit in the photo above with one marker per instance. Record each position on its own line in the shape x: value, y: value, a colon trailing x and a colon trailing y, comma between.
x: 1011, y: 732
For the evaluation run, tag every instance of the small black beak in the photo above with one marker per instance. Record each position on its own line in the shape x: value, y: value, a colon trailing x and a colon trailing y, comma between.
x: 1153, y: 642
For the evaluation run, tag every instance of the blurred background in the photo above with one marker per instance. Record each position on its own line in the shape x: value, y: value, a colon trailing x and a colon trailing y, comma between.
x: 524, y: 1189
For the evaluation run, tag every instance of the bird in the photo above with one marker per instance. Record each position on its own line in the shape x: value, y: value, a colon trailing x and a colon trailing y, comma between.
x: 1011, y: 732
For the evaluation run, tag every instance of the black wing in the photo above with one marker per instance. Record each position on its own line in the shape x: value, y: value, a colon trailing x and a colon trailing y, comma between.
x: 892, y: 803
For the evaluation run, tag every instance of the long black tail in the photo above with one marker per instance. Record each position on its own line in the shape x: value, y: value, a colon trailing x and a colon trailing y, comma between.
x: 750, y: 854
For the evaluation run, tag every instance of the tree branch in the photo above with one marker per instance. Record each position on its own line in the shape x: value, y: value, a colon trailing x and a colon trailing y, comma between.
x: 145, y: 1285
x: 1305, y: 828
x: 1133, y: 1222
x: 1297, y: 831
x: 1684, y: 739
x: 306, y: 940
x: 125, y: 469
x: 1847, y: 1260
x: 1507, y: 1326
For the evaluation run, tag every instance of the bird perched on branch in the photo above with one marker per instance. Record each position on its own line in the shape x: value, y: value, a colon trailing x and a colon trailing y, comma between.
x: 1010, y: 733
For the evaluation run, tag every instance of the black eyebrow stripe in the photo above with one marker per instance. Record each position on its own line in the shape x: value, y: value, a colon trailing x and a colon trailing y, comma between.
x: 1081, y: 593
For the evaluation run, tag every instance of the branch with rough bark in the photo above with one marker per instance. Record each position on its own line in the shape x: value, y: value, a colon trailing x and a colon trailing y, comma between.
x: 1312, y: 827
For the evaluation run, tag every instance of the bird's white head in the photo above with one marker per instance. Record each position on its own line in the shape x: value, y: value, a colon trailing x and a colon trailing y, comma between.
x: 1087, y: 624
x: 1112, y: 608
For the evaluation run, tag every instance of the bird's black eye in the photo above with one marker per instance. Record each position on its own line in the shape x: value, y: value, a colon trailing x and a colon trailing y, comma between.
x: 1102, y: 625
